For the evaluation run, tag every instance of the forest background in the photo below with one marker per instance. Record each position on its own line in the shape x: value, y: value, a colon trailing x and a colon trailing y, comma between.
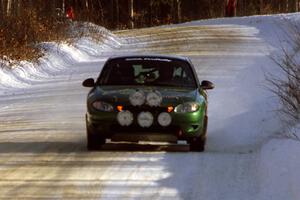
x: 26, y: 23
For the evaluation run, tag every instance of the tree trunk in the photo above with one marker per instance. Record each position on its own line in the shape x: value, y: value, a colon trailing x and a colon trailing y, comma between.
x: 9, y: 7
x: 63, y: 6
x: 87, y: 4
x: 292, y: 5
x: 240, y: 8
x: 131, y: 18
x: 19, y: 7
x: 150, y: 14
x: 2, y: 7
x: 261, y: 7
x: 101, y: 10
x: 283, y: 6
x: 174, y: 11
x: 1, y: 10
x: 112, y: 20
x: 117, y: 14
x: 179, y: 11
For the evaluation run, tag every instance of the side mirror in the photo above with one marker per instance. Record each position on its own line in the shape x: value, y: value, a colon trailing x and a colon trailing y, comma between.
x: 88, y: 83
x: 207, y: 85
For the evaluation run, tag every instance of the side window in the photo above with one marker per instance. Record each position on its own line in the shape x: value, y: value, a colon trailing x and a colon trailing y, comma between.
x: 104, y: 76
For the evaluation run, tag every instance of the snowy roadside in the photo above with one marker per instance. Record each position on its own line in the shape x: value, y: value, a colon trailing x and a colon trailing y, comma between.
x: 278, y: 158
x: 57, y: 59
x: 279, y: 169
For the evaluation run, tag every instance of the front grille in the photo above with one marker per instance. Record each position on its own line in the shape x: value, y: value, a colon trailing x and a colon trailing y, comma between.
x: 136, y: 128
x: 154, y: 110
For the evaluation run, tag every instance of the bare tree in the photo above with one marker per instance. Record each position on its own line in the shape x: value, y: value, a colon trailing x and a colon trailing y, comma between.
x: 1, y: 9
x: 176, y: 11
x: 131, y: 18
x: 9, y: 7
x: 241, y: 7
x: 292, y: 5
x: 87, y: 4
x: 179, y: 11
x: 283, y: 5
x: 288, y: 88
x: 261, y: 7
x: 117, y: 21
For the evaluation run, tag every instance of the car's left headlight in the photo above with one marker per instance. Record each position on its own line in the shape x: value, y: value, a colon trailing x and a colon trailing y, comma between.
x: 187, y: 107
x: 102, y: 106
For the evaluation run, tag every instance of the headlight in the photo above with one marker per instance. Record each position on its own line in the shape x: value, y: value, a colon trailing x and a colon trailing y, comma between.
x: 154, y: 99
x: 187, y: 107
x: 137, y: 98
x: 125, y: 118
x: 102, y: 106
x: 145, y: 119
x: 164, y: 119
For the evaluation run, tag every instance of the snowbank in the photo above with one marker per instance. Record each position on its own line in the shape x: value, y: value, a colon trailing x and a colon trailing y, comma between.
x: 279, y: 169
x: 58, y: 58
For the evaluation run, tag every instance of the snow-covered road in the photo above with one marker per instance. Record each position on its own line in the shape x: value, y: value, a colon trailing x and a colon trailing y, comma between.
x: 42, y: 130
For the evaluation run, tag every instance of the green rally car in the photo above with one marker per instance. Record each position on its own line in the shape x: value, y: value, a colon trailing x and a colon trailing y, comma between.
x: 147, y: 98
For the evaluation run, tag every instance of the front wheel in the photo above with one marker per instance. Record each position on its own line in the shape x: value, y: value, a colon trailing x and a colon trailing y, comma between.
x: 94, y: 140
x: 198, y: 143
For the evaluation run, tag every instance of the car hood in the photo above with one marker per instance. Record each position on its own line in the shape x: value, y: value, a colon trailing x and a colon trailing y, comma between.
x: 120, y: 95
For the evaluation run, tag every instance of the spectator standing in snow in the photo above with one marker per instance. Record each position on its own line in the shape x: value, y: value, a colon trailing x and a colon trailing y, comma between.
x: 70, y: 13
x: 230, y: 8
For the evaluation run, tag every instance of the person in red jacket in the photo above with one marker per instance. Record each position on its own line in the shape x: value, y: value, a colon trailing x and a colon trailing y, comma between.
x: 230, y: 8
x: 70, y: 13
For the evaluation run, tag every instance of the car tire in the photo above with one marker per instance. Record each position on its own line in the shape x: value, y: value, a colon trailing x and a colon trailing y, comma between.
x: 94, y: 140
x: 198, y: 143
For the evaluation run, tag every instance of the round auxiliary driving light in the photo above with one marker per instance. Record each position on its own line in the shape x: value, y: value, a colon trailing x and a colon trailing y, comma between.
x: 125, y: 118
x: 145, y: 119
x: 137, y: 98
x: 154, y: 98
x: 164, y: 119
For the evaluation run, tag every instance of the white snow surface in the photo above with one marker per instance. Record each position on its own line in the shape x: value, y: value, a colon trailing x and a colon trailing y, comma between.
x: 58, y: 58
x: 42, y: 130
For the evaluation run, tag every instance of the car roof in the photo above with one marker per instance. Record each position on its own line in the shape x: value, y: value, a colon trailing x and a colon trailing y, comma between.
x: 151, y: 56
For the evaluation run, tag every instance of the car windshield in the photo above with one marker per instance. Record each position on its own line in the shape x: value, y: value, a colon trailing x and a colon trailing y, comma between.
x: 147, y: 71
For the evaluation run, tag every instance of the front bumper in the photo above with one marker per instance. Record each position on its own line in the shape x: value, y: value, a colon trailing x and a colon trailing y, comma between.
x: 183, y: 127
